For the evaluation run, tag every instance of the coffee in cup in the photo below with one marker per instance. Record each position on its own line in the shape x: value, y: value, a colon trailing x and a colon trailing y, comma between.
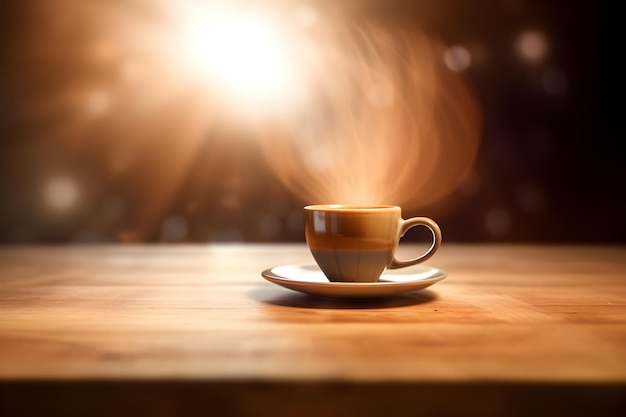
x: 352, y: 243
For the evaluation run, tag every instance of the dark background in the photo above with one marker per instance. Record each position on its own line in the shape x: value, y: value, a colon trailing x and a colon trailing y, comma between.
x: 550, y: 166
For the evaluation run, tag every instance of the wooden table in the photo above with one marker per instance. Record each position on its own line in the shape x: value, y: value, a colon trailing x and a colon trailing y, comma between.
x: 195, y: 330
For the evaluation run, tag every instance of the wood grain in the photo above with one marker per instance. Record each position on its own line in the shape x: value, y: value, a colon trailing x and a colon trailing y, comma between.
x: 522, y: 316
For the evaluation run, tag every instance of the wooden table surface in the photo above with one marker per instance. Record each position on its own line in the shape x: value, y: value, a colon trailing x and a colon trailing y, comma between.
x: 173, y: 330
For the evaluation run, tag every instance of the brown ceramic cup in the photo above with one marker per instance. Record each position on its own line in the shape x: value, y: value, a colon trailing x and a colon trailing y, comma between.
x: 357, y: 243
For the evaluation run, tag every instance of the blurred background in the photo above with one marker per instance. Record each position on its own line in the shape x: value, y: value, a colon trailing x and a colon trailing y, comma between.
x: 107, y: 135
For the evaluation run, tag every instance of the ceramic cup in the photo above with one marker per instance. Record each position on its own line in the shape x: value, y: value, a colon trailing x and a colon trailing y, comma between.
x: 357, y: 243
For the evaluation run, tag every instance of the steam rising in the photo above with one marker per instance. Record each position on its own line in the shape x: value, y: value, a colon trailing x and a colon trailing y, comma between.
x: 386, y: 121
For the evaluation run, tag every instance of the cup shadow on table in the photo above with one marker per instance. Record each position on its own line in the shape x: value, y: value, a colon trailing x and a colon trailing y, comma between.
x: 287, y: 298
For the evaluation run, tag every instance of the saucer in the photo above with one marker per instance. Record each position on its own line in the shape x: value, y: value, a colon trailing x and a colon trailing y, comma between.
x: 309, y: 279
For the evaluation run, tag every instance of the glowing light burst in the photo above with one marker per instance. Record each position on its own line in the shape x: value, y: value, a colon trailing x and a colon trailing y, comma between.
x: 243, y: 52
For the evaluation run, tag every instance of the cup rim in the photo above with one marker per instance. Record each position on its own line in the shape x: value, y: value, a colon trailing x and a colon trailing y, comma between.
x: 351, y: 207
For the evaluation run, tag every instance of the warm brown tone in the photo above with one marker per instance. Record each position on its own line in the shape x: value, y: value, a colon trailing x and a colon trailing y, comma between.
x: 352, y: 243
x: 356, y: 243
x: 513, y: 330
x: 352, y: 228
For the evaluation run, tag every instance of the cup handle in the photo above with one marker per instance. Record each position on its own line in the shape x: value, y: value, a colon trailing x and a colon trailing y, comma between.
x: 406, y: 225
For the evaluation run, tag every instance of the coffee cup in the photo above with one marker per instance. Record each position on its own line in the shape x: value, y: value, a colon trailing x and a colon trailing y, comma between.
x: 352, y: 243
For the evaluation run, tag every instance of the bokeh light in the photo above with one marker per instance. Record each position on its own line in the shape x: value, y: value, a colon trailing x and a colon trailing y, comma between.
x: 457, y: 58
x: 61, y: 193
x: 97, y: 102
x: 532, y: 45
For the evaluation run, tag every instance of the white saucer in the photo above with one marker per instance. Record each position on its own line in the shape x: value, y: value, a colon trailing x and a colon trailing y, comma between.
x: 309, y: 279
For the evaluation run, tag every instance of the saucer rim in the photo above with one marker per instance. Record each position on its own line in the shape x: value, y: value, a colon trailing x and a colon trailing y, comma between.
x: 439, y: 274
